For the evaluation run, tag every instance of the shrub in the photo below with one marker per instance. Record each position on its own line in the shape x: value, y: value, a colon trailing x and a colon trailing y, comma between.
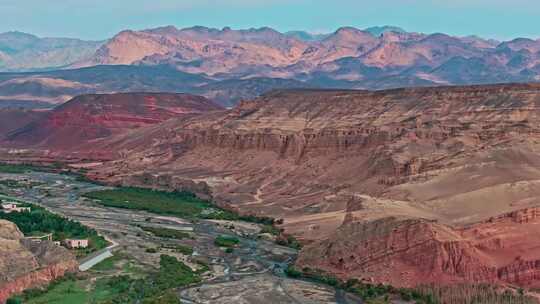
x: 270, y: 230
x: 226, y: 241
x: 288, y: 241
x: 14, y: 301
x: 167, y: 233
x: 155, y: 288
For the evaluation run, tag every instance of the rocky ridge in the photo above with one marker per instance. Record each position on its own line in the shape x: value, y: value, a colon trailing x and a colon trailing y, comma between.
x: 403, y: 252
x: 348, y: 57
x: 229, y: 65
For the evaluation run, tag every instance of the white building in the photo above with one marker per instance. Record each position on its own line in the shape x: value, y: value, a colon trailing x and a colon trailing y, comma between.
x: 9, y: 207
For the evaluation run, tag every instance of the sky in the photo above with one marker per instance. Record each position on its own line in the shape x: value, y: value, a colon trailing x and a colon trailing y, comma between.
x: 101, y: 19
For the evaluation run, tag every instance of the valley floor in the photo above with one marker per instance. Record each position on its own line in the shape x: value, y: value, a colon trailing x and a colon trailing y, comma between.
x: 252, y: 273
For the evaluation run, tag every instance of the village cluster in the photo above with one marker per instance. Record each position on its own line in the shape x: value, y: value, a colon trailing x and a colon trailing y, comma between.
x: 12, y: 206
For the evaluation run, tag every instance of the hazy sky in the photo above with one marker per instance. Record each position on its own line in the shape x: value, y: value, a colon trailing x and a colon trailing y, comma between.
x: 99, y: 19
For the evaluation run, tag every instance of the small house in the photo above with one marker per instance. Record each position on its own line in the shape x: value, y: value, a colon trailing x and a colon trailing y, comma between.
x: 73, y: 243
x: 9, y: 207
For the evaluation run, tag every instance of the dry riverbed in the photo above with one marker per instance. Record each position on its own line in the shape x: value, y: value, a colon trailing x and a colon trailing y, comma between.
x: 251, y: 273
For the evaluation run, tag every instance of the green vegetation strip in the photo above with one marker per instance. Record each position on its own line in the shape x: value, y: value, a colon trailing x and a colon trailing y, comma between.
x: 288, y: 241
x: 476, y: 293
x: 67, y: 290
x: 180, y: 204
x: 109, y: 263
x: 156, y: 288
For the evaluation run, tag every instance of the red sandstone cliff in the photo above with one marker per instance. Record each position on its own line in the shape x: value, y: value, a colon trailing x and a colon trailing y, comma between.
x: 25, y: 264
x: 406, y: 252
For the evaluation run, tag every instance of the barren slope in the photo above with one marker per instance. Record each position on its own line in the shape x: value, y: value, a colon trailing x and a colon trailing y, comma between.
x: 21, y: 51
x: 400, y: 58
x: 422, y: 173
x: 90, y: 117
x: 328, y: 159
x: 12, y: 119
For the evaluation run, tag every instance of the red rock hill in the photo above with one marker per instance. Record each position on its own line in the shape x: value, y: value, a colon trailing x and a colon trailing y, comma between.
x: 90, y: 117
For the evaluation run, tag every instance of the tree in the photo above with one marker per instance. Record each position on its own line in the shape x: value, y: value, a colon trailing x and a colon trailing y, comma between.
x: 14, y: 301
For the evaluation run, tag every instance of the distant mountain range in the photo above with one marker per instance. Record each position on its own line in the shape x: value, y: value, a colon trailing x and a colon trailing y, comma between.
x: 234, y: 64
x: 25, y: 52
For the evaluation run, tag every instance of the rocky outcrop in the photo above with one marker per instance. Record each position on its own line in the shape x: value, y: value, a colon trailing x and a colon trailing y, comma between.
x: 401, y: 252
x: 27, y: 264
x: 519, y: 216
x: 35, y: 279
x: 408, y: 252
